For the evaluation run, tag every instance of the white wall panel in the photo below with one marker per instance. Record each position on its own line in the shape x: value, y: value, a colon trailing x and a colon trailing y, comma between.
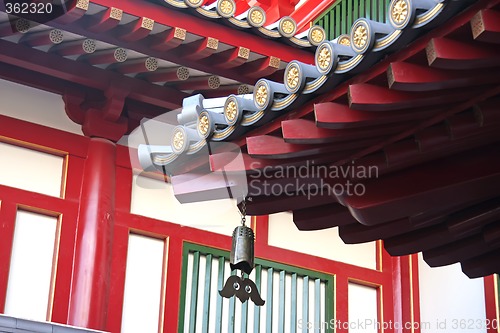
x: 362, y: 309
x: 31, y: 266
x: 31, y: 170
x: 35, y: 106
x: 449, y: 299
x: 143, y: 283
x: 154, y: 198
x: 322, y: 243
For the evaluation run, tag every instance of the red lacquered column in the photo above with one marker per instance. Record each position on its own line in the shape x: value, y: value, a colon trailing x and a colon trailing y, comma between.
x: 91, y: 272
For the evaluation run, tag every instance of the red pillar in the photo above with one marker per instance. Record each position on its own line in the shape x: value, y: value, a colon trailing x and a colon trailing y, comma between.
x: 91, y: 272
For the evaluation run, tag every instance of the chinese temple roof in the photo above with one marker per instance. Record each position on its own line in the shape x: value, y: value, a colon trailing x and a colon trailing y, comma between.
x: 142, y: 58
x: 415, y: 100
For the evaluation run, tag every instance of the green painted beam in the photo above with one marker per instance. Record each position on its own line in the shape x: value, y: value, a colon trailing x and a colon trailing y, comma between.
x: 293, y: 305
x: 220, y: 285
x: 194, y: 292
x: 281, y: 308
x: 269, y: 300
x: 206, y: 293
x: 305, y: 303
x: 256, y: 314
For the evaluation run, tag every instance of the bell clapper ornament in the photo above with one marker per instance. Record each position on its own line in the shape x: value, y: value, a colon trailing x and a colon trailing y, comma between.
x: 242, y: 258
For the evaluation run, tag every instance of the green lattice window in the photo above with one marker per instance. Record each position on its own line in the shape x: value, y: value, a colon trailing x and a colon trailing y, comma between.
x: 296, y: 298
x: 339, y: 18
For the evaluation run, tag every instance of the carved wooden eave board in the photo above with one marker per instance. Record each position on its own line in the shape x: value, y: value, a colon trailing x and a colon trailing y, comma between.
x: 417, y: 98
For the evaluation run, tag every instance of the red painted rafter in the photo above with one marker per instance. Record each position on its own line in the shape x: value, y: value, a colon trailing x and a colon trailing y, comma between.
x: 104, y: 21
x: 452, y: 54
x: 486, y: 26
x: 86, y: 75
x: 301, y: 131
x: 340, y: 116
x: 322, y: 217
x: 168, y: 39
x: 368, y: 97
x: 386, y: 200
x: 135, y: 30
x: 411, y: 77
x: 268, y: 146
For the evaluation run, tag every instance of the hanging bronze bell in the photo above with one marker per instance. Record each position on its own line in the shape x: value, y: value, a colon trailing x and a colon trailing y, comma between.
x: 242, y: 250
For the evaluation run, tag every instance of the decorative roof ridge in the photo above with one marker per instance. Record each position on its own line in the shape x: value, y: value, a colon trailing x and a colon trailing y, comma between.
x: 228, y: 118
x: 252, y: 19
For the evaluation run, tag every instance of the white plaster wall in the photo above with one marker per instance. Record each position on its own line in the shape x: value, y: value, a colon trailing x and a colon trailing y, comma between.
x: 362, y: 306
x: 35, y: 106
x: 154, y: 198
x: 30, y: 170
x: 143, y: 283
x: 31, y: 266
x: 322, y: 243
x: 448, y: 298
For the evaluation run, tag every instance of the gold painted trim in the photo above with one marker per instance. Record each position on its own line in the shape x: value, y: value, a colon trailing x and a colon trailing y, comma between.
x: 227, y: 131
x: 363, y: 282
x: 197, y: 146
x: 314, y: 84
x: 257, y: 115
x: 253, y: 225
x: 422, y: 19
x: 351, y: 63
x: 207, y: 13
x: 239, y: 23
x: 388, y: 39
x: 176, y: 4
x: 289, y: 99
x: 269, y: 33
x: 64, y: 177
x: 169, y: 159
x: 300, y: 42
x: 379, y: 249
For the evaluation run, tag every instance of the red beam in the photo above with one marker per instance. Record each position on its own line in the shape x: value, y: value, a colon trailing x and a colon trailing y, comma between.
x: 486, y: 26
x: 452, y: 54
